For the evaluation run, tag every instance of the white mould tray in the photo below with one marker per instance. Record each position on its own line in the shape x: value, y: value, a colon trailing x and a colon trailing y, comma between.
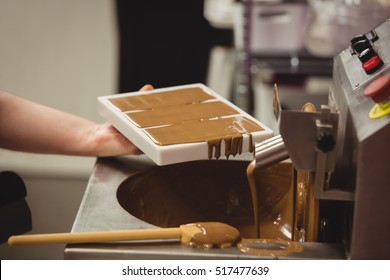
x: 169, y: 154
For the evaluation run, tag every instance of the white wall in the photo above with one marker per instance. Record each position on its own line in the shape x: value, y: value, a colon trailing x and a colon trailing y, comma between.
x: 61, y: 53
x: 58, y: 52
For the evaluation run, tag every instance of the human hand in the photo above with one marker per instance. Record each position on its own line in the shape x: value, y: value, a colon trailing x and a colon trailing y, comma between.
x: 108, y: 141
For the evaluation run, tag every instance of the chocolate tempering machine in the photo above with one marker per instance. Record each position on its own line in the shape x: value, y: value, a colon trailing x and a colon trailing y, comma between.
x: 343, y: 147
x: 340, y: 151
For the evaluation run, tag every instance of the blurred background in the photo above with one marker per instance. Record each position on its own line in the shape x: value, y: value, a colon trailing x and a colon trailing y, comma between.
x: 66, y: 53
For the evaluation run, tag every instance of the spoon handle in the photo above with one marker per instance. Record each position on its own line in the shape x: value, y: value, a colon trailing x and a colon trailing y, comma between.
x: 95, y: 237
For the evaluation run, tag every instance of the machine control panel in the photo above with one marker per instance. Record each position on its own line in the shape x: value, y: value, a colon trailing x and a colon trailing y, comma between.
x: 362, y: 46
x: 355, y: 69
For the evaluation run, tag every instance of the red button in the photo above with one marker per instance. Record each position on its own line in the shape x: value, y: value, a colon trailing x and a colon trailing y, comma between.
x: 371, y: 64
x: 379, y: 89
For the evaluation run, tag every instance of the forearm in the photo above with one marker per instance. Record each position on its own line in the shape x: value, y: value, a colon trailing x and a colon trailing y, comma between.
x: 32, y: 127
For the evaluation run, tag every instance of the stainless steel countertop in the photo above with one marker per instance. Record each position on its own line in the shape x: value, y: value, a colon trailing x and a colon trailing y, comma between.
x: 100, y: 211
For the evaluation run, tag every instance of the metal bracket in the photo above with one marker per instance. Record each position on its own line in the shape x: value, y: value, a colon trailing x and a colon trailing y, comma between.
x: 326, y: 135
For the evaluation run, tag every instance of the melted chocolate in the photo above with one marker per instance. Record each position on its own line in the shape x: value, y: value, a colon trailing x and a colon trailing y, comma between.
x: 214, y: 234
x: 269, y: 247
x: 308, y: 107
x: 252, y: 184
x: 147, y: 101
x: 177, y: 194
x: 272, y: 196
x: 189, y: 116
x: 230, y: 130
x: 179, y: 114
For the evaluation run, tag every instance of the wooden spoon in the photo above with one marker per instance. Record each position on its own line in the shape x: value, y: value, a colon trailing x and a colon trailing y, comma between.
x: 207, y: 234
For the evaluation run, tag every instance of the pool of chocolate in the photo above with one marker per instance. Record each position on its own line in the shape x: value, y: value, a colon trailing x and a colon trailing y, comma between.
x: 211, y: 190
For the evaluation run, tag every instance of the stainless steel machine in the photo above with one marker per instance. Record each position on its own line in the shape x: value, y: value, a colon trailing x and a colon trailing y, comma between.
x: 344, y: 145
x: 340, y: 151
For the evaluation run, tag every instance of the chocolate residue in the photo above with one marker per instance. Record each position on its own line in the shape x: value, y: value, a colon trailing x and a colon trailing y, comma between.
x: 269, y: 247
x: 276, y: 100
x: 306, y: 205
x: 308, y: 107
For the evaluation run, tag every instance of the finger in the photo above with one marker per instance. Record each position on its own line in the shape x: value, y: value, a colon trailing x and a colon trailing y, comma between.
x: 147, y: 87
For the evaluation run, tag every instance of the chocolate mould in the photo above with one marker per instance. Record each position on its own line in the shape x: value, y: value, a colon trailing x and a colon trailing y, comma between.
x: 175, y: 153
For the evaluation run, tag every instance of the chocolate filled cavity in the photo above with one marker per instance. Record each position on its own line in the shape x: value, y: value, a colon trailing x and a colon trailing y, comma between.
x: 147, y: 101
x: 179, y: 114
x: 189, y: 115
